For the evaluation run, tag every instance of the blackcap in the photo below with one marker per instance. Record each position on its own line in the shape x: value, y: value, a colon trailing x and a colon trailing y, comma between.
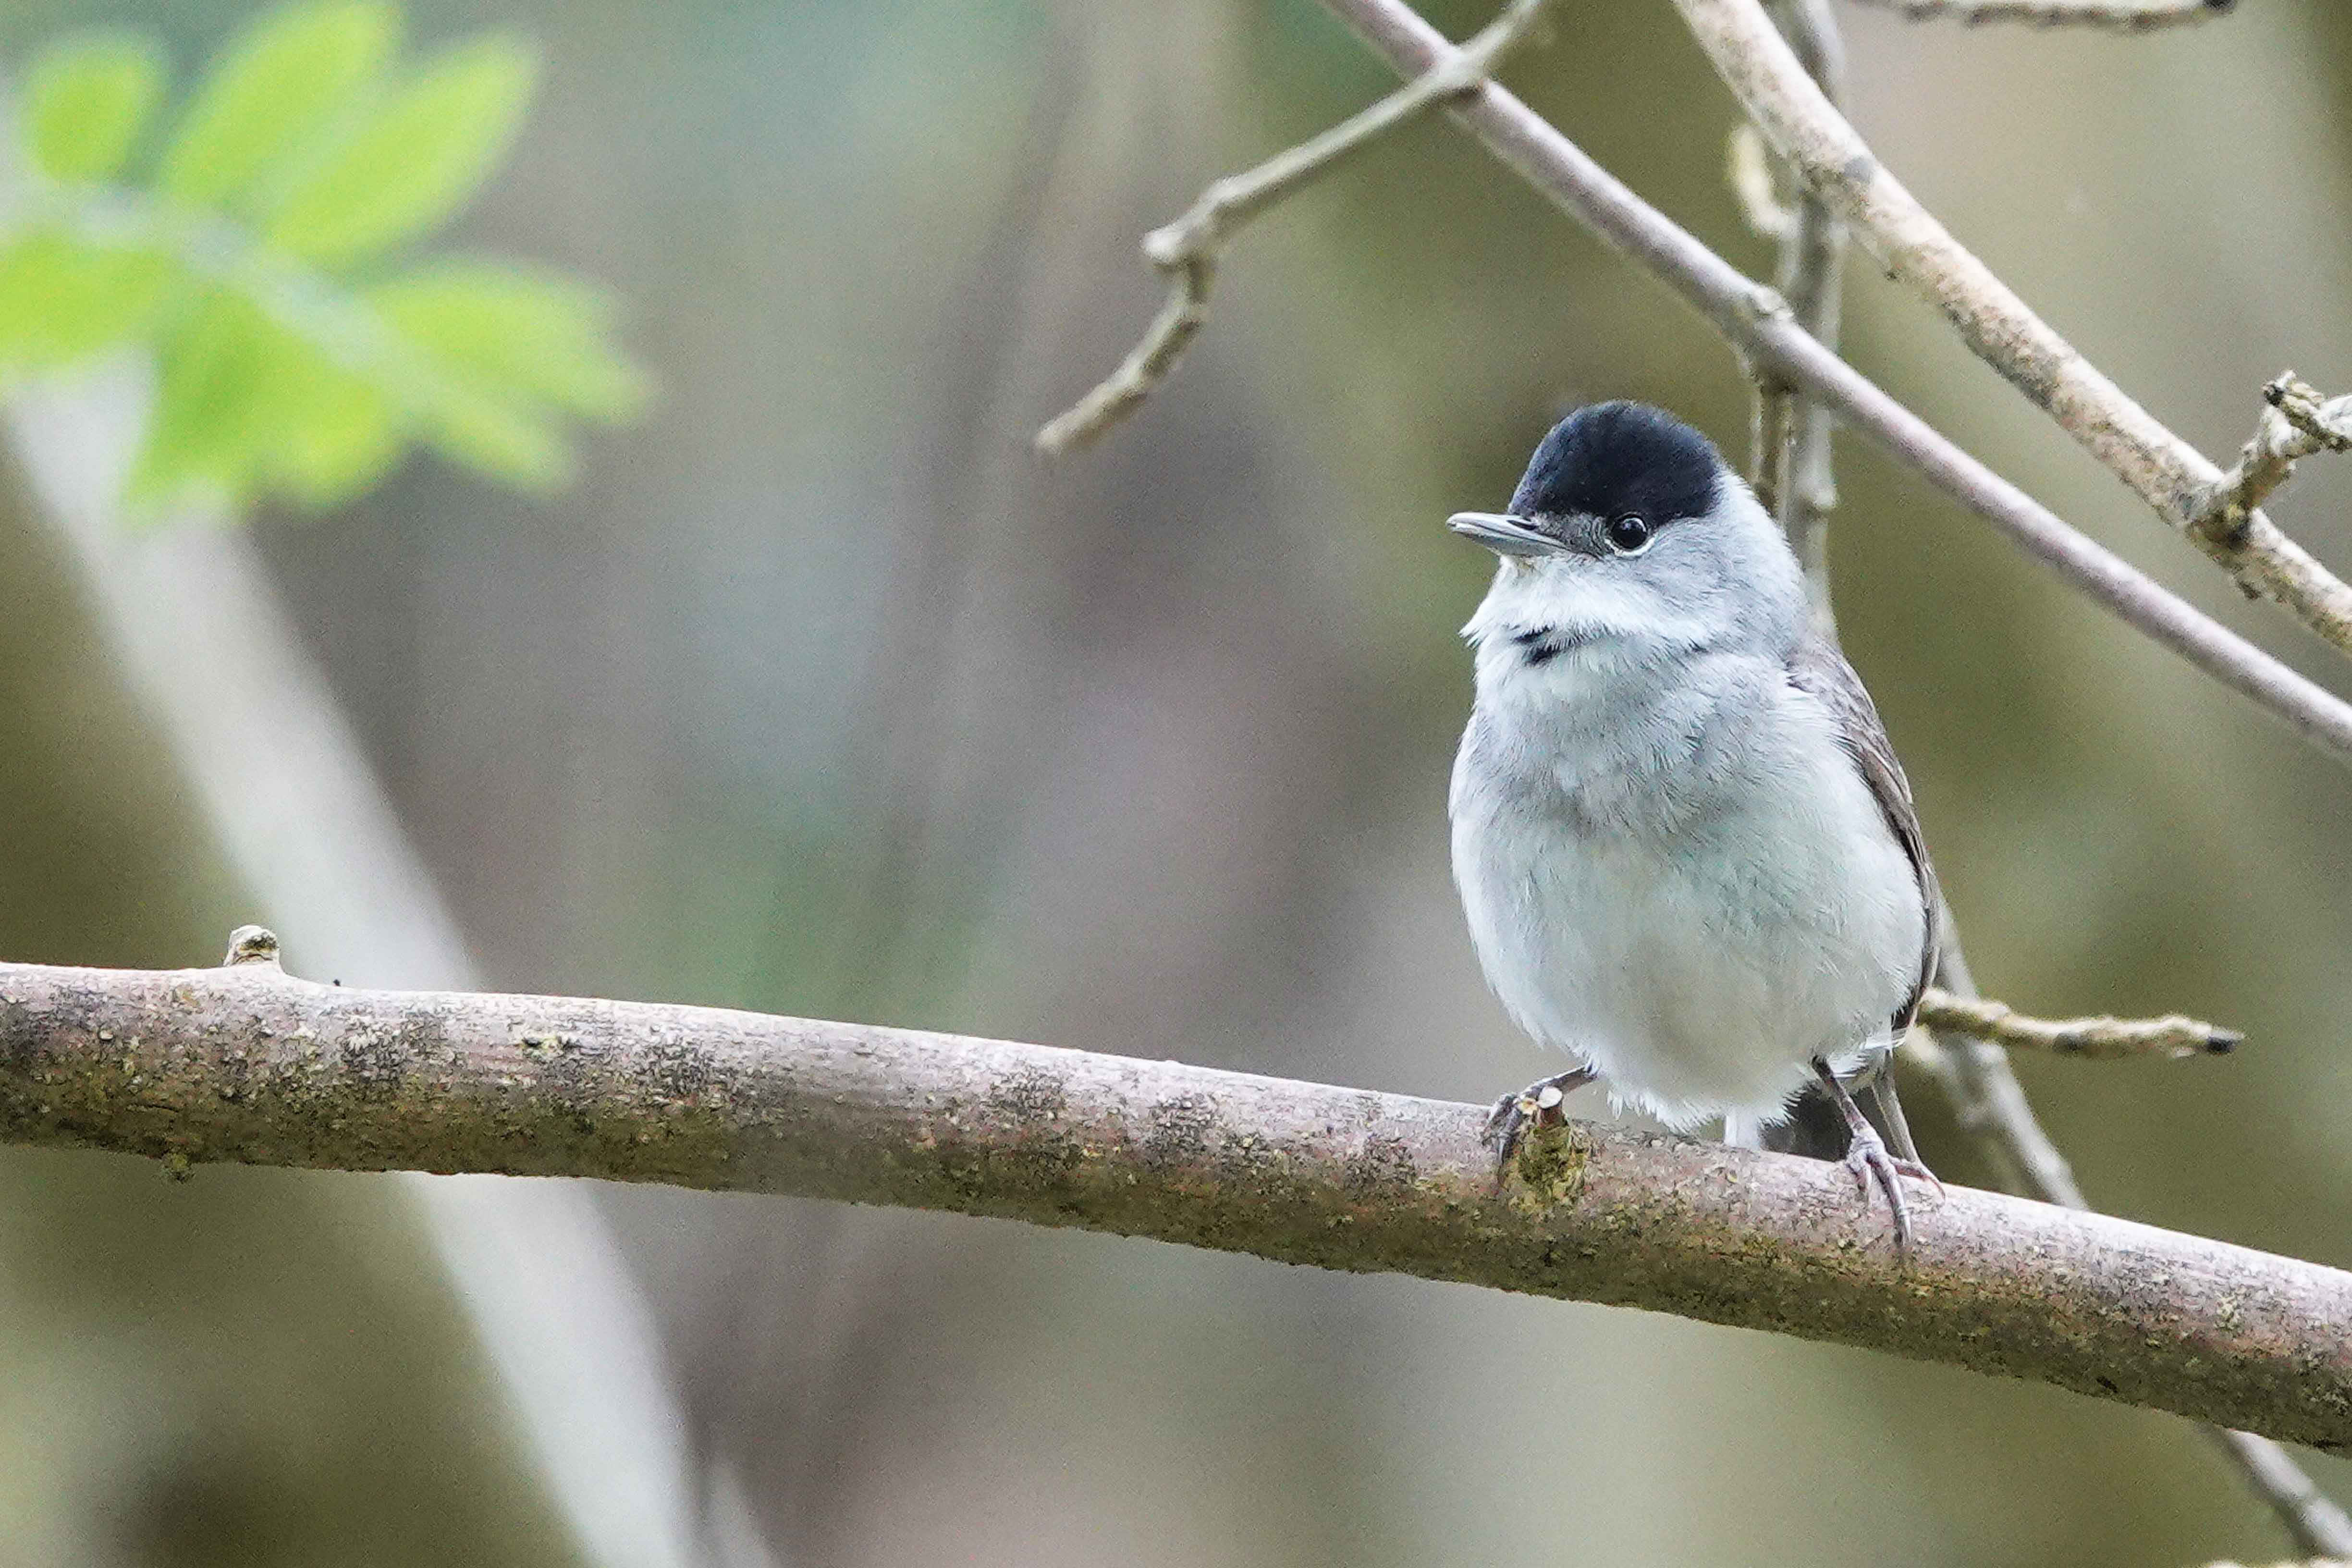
x: 1688, y: 855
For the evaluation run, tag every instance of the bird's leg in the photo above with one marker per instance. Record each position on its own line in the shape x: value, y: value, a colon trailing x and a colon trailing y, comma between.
x: 1898, y: 1129
x: 1867, y: 1157
x: 1537, y: 1105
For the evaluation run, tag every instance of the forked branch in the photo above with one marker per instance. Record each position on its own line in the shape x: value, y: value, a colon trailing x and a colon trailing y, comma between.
x: 1804, y: 126
x: 2296, y: 422
x: 1757, y: 321
x: 1188, y: 249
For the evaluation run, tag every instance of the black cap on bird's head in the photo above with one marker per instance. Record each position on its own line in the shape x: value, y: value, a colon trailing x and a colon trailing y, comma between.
x: 1621, y: 465
x: 1615, y: 458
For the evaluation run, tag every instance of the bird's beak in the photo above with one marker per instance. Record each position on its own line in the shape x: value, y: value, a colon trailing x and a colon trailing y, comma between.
x: 1503, y: 534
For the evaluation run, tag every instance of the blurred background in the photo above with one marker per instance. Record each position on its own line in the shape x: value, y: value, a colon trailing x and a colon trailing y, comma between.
x: 817, y: 693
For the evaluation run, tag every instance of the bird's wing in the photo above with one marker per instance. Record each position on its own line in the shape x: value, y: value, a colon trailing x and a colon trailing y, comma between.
x: 1817, y: 667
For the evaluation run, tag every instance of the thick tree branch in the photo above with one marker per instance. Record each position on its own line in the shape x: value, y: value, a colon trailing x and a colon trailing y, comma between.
x: 1756, y: 321
x: 2113, y: 16
x: 2163, y: 471
x: 279, y: 776
x: 246, y: 1063
x: 1187, y: 249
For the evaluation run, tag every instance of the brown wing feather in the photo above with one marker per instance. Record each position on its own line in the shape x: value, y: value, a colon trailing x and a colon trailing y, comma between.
x: 1816, y: 667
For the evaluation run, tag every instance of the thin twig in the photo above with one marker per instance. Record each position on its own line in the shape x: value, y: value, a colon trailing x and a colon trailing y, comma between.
x: 2166, y: 471
x: 2325, y: 421
x: 1992, y: 1107
x: 1772, y: 411
x: 2315, y: 1522
x: 1771, y: 436
x: 2101, y: 1038
x: 248, y: 1064
x: 2296, y: 422
x: 1757, y: 322
x: 1187, y: 249
x: 2110, y: 15
x: 1810, y: 276
x: 1747, y: 170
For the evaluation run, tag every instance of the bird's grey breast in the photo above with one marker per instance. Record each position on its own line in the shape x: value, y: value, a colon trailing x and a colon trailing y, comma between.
x: 1619, y: 751
x: 1692, y: 885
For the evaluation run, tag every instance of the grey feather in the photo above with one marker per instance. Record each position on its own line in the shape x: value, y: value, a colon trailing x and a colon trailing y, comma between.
x: 1817, y: 667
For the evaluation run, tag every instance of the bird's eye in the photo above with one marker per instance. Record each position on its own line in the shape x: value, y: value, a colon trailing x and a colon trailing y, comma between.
x: 1630, y: 535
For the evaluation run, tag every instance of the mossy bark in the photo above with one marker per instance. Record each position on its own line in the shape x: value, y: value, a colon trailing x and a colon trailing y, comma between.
x: 247, y: 1064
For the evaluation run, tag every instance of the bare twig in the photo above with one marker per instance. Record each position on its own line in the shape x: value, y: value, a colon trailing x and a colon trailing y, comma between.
x: 1992, y: 1108
x: 1772, y: 411
x: 1187, y: 249
x: 1771, y: 435
x: 2325, y: 421
x: 1181, y: 316
x: 2105, y: 1038
x: 1834, y: 160
x: 245, y: 1063
x: 2111, y: 16
x: 2297, y: 423
x: 1757, y: 321
x: 1747, y: 169
x: 1809, y: 276
x: 2317, y: 1524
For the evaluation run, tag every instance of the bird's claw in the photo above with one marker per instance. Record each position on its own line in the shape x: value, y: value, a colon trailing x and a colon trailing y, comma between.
x: 1868, y: 1158
x: 1537, y: 1105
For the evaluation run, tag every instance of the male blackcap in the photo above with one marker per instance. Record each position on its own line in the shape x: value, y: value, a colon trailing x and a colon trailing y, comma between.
x: 1689, y: 856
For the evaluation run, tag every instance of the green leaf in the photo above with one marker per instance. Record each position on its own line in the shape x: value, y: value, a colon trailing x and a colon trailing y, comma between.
x: 414, y: 161
x: 243, y: 404
x: 86, y: 101
x: 271, y: 96
x: 336, y: 433
x: 63, y: 298
x: 499, y: 438
x: 517, y: 330
x: 275, y: 374
x: 202, y: 433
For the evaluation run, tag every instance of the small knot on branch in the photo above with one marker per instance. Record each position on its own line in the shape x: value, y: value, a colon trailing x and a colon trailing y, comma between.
x: 2325, y: 420
x: 251, y: 944
x: 1765, y: 303
x: 2295, y: 423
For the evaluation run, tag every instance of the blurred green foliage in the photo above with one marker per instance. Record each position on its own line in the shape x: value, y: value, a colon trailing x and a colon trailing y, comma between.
x: 263, y: 253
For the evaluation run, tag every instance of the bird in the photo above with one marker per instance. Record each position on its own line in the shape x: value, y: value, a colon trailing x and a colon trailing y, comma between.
x: 1686, y: 854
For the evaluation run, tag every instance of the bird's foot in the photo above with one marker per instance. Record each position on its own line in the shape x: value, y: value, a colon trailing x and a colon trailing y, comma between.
x: 1537, y: 1105
x: 1868, y: 1158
